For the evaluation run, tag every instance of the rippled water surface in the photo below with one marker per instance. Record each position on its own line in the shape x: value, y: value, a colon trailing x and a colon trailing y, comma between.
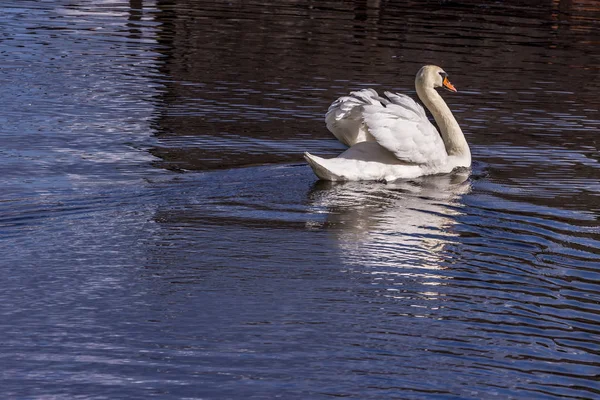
x: 162, y: 237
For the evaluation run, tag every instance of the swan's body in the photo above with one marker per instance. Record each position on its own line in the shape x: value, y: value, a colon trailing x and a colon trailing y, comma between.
x: 390, y: 136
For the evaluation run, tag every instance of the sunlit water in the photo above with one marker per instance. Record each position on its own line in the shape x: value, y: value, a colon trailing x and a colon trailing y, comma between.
x: 161, y: 236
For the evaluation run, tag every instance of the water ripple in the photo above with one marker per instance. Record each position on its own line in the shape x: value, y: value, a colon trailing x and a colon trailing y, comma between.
x: 161, y: 235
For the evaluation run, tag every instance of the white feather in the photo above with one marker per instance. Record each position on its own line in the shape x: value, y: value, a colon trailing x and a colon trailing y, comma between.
x: 345, y: 116
x: 402, y: 127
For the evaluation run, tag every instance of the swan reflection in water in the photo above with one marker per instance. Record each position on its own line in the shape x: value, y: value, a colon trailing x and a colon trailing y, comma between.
x: 393, y: 230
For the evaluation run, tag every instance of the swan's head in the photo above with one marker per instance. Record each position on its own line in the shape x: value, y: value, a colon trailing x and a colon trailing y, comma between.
x: 432, y: 76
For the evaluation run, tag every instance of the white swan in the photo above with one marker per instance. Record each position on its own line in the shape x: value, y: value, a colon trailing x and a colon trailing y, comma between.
x: 390, y: 137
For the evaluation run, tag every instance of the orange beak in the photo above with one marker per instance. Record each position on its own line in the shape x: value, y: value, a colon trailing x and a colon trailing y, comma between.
x: 448, y: 85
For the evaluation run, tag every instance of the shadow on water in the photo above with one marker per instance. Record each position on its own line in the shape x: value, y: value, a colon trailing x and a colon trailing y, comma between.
x: 249, y: 83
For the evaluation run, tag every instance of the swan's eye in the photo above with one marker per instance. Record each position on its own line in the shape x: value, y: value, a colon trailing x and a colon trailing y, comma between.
x: 443, y: 75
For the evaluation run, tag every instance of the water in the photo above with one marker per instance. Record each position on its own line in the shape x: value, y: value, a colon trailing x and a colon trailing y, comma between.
x: 161, y: 236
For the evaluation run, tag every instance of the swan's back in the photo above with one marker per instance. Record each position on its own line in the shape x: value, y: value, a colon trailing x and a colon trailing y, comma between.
x: 395, y: 121
x: 402, y: 127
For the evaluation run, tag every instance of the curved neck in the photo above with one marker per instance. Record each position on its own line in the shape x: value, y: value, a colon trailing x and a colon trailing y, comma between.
x: 456, y: 144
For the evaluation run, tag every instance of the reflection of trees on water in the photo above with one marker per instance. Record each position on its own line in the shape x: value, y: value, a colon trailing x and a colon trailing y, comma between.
x: 396, y: 229
x: 292, y: 42
x: 135, y: 16
x: 239, y: 69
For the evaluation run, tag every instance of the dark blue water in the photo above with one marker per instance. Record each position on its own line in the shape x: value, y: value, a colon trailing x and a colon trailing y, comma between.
x: 160, y: 235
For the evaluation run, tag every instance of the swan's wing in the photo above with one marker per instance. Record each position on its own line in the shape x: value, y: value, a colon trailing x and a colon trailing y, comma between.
x: 345, y: 115
x: 402, y: 127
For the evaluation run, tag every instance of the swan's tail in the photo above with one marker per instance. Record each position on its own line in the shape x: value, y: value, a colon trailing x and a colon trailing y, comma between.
x: 323, y: 168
